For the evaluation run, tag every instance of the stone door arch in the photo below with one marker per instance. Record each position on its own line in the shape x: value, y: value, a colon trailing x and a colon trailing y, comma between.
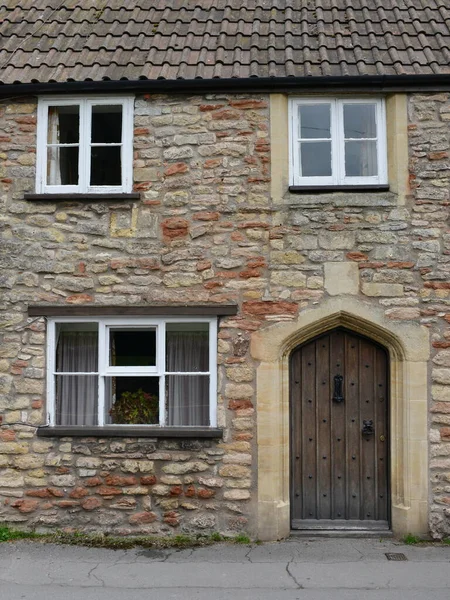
x: 408, y: 348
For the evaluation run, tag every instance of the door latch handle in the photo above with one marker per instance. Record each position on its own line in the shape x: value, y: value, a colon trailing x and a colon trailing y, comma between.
x: 337, y: 394
x: 368, y: 428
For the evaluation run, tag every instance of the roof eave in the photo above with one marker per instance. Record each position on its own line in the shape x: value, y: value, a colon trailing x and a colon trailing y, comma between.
x: 378, y: 83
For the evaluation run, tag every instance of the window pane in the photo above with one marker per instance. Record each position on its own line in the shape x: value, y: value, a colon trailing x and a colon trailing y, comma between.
x: 62, y: 165
x: 187, y: 347
x: 360, y: 121
x: 63, y: 125
x: 132, y: 400
x: 106, y: 166
x: 187, y: 400
x: 315, y: 159
x: 314, y: 121
x: 76, y: 399
x: 132, y: 347
x: 361, y: 159
x: 77, y: 347
x: 106, y: 124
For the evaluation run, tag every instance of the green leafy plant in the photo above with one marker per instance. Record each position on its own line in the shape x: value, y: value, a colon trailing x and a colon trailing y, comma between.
x: 7, y: 534
x: 135, y: 408
x: 241, y: 538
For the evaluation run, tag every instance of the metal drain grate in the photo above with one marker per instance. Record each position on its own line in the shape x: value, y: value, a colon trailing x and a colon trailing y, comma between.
x: 395, y: 556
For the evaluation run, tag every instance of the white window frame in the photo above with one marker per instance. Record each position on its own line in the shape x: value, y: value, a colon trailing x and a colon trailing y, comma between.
x: 338, y: 177
x: 104, y: 370
x: 84, y: 154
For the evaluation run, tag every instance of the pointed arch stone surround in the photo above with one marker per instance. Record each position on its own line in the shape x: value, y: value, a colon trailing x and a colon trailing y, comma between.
x: 409, y: 349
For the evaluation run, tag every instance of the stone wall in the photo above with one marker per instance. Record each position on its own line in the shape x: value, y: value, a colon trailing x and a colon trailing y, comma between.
x: 205, y: 230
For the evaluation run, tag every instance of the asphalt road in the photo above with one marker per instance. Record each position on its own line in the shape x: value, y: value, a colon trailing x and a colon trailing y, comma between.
x: 296, y: 569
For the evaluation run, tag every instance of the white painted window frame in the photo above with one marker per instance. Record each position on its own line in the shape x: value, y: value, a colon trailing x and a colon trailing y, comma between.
x: 104, y: 370
x: 84, y: 154
x: 338, y: 176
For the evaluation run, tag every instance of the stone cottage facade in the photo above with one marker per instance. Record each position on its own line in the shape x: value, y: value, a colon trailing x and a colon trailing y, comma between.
x: 216, y: 237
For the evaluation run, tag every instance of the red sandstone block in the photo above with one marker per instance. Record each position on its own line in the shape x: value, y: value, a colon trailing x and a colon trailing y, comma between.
x: 209, y: 285
x: 91, y: 503
x: 37, y: 404
x: 248, y: 103
x: 225, y: 115
x: 141, y: 131
x: 202, y: 265
x: 239, y: 404
x: 148, y: 480
x: 108, y: 491
x: 211, y: 163
x: 8, y: 435
x: 42, y: 493
x: 176, y: 490
x: 57, y: 493
x: 441, y: 344
x: 437, y: 155
x: 256, y: 307
x: 175, y: 228
x: 190, y: 491
x: 253, y: 225
x: 93, y: 481
x: 142, y: 517
x: 206, y: 216
x: 357, y: 256
x: 208, y: 107
x: 243, y: 437
x: 249, y: 273
x: 205, y: 494
x: 66, y: 503
x: 257, y: 261
x: 78, y: 492
x: 437, y: 285
x: 141, y: 187
x: 25, y: 506
x: 62, y: 470
x: 79, y: 299
x: 400, y: 265
x: 445, y: 434
x: 172, y: 518
x: 175, y: 169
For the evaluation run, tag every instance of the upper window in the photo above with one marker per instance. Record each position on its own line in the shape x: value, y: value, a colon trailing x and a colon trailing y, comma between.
x: 84, y: 145
x: 132, y: 372
x: 338, y: 142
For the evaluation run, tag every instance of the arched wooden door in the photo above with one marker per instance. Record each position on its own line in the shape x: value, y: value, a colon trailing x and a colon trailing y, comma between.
x: 340, y: 434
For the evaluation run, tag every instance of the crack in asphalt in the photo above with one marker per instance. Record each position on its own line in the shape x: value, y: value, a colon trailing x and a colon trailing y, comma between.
x: 92, y: 574
x: 299, y: 585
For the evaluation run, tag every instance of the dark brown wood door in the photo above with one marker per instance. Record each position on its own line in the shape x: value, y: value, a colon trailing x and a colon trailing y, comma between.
x: 340, y: 445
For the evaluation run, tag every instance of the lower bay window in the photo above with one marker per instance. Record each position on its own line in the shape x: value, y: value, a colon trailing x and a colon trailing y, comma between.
x: 132, y: 371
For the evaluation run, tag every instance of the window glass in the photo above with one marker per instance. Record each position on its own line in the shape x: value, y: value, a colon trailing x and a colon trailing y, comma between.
x: 106, y: 124
x: 132, y: 400
x: 361, y: 158
x: 77, y: 348
x: 76, y: 399
x: 187, y: 400
x: 132, y: 347
x: 106, y: 167
x: 315, y: 121
x: 187, y: 347
x: 62, y: 165
x: 315, y: 159
x: 360, y: 121
x: 63, y: 125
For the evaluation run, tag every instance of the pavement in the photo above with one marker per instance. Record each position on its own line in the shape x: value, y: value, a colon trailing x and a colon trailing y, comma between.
x: 296, y: 569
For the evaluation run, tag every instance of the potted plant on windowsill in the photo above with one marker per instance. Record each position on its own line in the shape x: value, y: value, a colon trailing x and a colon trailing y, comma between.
x: 135, y: 408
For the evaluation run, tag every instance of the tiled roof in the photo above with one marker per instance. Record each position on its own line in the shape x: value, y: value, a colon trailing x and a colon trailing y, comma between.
x: 78, y: 40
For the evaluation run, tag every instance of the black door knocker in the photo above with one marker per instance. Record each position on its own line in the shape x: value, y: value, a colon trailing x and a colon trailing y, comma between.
x: 337, y: 395
x: 368, y: 428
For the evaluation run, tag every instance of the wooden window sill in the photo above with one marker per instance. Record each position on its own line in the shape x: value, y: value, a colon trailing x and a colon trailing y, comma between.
x: 82, y: 197
x: 129, y: 431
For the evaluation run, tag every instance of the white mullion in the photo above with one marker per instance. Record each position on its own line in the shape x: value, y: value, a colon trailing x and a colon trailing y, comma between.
x: 85, y: 146
x: 41, y: 147
x: 126, y: 153
x: 213, y: 373
x: 339, y: 143
x: 51, y: 388
x: 381, y: 141
x: 161, y: 368
x: 102, y: 358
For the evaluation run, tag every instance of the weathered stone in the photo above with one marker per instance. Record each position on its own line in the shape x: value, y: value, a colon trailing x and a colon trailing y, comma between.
x: 183, y: 468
